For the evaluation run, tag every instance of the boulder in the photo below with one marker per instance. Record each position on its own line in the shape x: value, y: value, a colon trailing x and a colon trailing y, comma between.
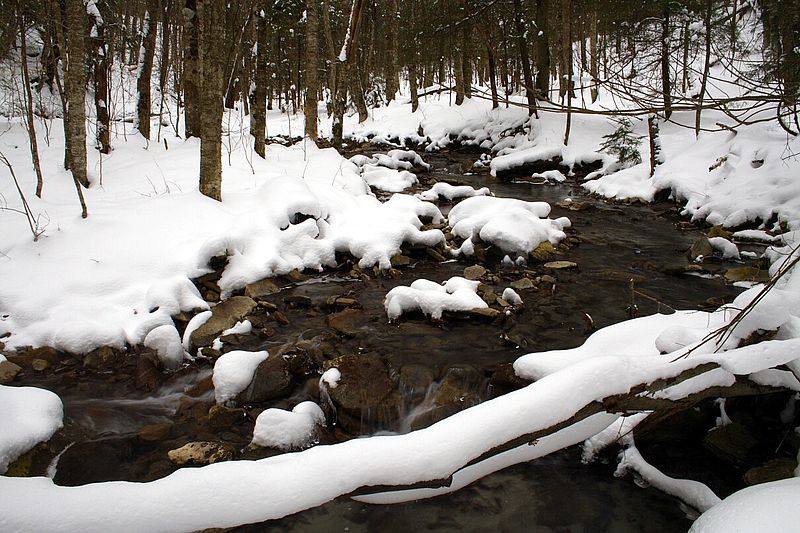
x: 272, y: 379
x: 720, y: 231
x: 701, y: 248
x: 543, y: 252
x: 400, y: 261
x: 474, y: 272
x: 8, y: 371
x: 461, y: 386
x: 261, y: 289
x: 201, y: 453
x: 106, y: 459
x: 347, y: 322
x: 155, y: 432
x: 778, y: 468
x: 560, y: 265
x: 732, y: 443
x: 485, y: 312
x: 221, y: 417
x: 746, y: 274
x: 522, y: 284
x: 224, y: 316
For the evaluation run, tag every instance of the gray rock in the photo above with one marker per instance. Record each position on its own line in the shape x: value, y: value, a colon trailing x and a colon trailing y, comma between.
x: 201, y: 453
x: 485, y: 312
x: 522, y: 284
x: 224, y: 316
x: 348, y: 322
x: 272, y: 379
x: 560, y: 265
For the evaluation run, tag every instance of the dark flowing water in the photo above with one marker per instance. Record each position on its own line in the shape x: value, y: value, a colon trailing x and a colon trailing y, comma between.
x: 555, y: 493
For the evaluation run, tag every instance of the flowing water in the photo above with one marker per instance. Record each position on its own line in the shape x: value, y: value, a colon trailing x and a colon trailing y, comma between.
x: 618, y: 244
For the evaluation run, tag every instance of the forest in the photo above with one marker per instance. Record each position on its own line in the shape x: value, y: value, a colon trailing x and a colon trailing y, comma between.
x: 445, y: 264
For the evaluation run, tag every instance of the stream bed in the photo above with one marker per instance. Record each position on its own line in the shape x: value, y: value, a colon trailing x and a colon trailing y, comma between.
x: 618, y: 247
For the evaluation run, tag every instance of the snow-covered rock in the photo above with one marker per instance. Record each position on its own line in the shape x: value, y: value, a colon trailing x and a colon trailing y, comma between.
x: 288, y: 430
x: 28, y: 416
x: 451, y: 192
x: 166, y: 341
x: 233, y: 372
x: 432, y: 299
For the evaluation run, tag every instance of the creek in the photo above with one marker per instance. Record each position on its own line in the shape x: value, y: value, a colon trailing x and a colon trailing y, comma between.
x: 620, y: 247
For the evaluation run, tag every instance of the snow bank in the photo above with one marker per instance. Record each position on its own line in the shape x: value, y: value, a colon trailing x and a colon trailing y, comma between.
x: 288, y: 430
x: 233, y: 372
x: 515, y: 226
x: 765, y: 507
x: 432, y: 299
x: 451, y: 192
x: 28, y: 416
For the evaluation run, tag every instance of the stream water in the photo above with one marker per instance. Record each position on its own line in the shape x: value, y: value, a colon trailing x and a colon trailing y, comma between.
x: 618, y: 243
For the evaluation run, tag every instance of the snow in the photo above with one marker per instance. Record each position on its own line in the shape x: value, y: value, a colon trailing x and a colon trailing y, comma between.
x: 764, y: 507
x: 432, y: 299
x: 511, y: 296
x: 288, y: 430
x: 451, y: 192
x: 166, y: 341
x: 726, y: 248
x: 197, y: 320
x: 331, y: 377
x: 28, y: 416
x: 233, y: 372
x: 515, y: 226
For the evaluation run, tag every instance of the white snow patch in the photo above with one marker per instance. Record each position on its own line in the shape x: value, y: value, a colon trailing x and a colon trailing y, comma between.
x: 233, y: 372
x: 166, y: 341
x: 288, y: 430
x: 28, y: 416
x: 455, y: 294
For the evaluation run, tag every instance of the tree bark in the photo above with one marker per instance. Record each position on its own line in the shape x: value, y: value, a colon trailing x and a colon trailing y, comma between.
x: 191, y: 71
x: 258, y: 123
x: 146, y: 55
x: 211, y: 15
x: 706, y: 66
x: 392, y: 82
x: 100, y: 63
x: 75, y: 88
x: 312, y: 61
x: 666, y: 89
x: 28, y: 100
x: 343, y: 74
x: 522, y: 43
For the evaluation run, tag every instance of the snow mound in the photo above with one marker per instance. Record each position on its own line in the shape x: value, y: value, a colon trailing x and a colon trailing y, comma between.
x: 724, y: 247
x: 28, y: 416
x: 451, y: 192
x: 233, y: 372
x: 455, y: 294
x: 387, y: 179
x: 511, y: 296
x: 515, y: 226
x: 525, y: 156
x: 166, y: 341
x: 765, y: 507
x: 288, y: 430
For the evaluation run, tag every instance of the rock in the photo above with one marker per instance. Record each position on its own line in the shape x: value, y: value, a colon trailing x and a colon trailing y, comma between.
x: 415, y: 380
x: 485, y: 312
x: 746, y: 274
x: 701, y: 248
x: 8, y: 371
x: 340, y: 302
x: 474, y: 272
x: 679, y: 269
x: 462, y: 386
x: 272, y: 379
x: 522, y: 284
x: 720, y: 231
x: 489, y: 297
x: 51, y: 355
x: 574, y: 205
x: 298, y: 300
x: 147, y: 377
x: 620, y: 275
x: 155, y: 432
x: 40, y: 365
x: 296, y: 276
x: 732, y: 443
x: 544, y: 279
x: 560, y: 265
x: 544, y: 251
x: 504, y: 380
x: 348, y: 322
x: 365, y: 396
x: 101, y: 358
x: 106, y: 459
x: 261, y: 289
x: 220, y: 417
x: 202, y: 387
x: 280, y: 318
x: 779, y: 468
x: 224, y: 316
x: 436, y: 256
x: 400, y: 261
x: 201, y: 453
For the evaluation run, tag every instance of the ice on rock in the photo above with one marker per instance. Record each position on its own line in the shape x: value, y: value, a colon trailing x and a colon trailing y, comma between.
x: 513, y: 225
x: 432, y: 299
x: 233, y: 372
x: 166, y: 341
x: 288, y: 430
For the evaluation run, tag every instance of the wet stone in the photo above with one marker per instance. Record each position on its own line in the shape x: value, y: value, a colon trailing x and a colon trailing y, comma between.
x: 732, y: 443
x: 261, y: 289
x: 155, y: 432
x: 560, y: 265
x: 720, y: 231
x: 272, y: 379
x: 746, y: 274
x: 8, y: 371
x: 543, y: 252
x: 280, y: 318
x: 221, y: 417
x: 400, y: 261
x: 522, y: 284
x: 779, y: 468
x: 486, y: 312
x: 201, y: 453
x: 224, y: 316
x: 365, y: 396
x: 348, y: 322
x: 147, y: 376
x: 701, y: 248
x: 474, y: 272
x: 94, y: 461
x: 298, y: 301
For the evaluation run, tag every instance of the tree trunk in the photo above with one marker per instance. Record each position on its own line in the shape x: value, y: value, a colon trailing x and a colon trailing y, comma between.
x: 492, y: 73
x: 522, y: 43
x: 566, y: 6
x: 357, y: 92
x: 28, y: 100
x: 665, y: 80
x: 706, y: 66
x: 100, y: 62
x: 258, y: 122
x: 211, y: 15
x: 75, y: 88
x: 164, y: 60
x: 343, y: 74
x: 146, y: 55
x: 312, y: 60
x: 593, y: 54
x: 191, y: 71
x: 392, y: 82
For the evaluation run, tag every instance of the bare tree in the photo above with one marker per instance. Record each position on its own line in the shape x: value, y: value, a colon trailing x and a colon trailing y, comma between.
x: 211, y: 18
x: 312, y: 60
x: 75, y: 88
x: 146, y: 55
